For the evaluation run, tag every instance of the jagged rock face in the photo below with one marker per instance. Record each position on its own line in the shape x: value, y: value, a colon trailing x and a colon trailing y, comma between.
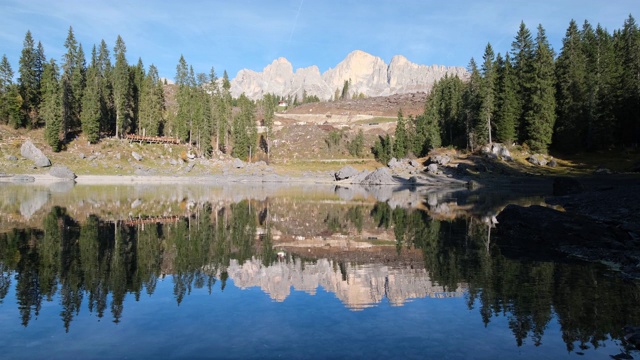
x: 369, y: 75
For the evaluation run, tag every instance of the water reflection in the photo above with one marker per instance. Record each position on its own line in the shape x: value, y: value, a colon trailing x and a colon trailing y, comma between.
x: 102, y: 247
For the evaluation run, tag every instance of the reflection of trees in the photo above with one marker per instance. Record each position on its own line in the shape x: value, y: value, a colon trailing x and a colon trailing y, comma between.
x: 527, y: 292
x: 102, y: 263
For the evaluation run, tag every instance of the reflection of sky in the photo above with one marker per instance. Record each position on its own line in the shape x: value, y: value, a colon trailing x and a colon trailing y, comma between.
x: 247, y: 323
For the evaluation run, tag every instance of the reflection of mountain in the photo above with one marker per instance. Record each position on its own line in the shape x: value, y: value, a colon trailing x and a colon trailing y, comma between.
x: 357, y: 286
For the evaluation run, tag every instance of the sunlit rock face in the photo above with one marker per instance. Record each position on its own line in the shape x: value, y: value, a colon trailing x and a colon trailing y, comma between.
x: 368, y: 75
x: 357, y: 286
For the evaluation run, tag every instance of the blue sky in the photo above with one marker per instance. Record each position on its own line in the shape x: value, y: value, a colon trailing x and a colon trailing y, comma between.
x: 235, y: 34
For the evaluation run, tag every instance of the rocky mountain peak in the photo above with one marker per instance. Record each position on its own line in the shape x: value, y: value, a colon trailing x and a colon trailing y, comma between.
x: 368, y: 74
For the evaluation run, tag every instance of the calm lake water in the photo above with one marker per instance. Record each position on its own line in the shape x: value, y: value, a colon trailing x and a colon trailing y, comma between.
x: 289, y: 272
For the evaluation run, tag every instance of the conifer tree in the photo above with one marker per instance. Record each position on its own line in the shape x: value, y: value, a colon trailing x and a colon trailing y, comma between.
x: 70, y: 106
x: 507, y: 101
x: 628, y: 53
x: 91, y: 111
x: 137, y: 79
x: 151, y: 104
x: 541, y: 116
x: 10, y: 99
x: 522, y: 61
x: 471, y: 101
x: 571, y: 93
x: 121, y: 89
x: 401, y: 138
x: 29, y: 81
x: 51, y: 106
x: 244, y: 129
x: 487, y: 97
x: 107, y: 104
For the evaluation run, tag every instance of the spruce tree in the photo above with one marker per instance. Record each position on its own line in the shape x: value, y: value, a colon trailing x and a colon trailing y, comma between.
x: 121, y: 89
x: 68, y: 67
x: 137, y: 79
x: 151, y: 104
x: 628, y: 53
x: 571, y: 93
x: 522, y: 61
x: 244, y: 129
x: 541, y: 116
x: 29, y: 81
x: 401, y: 138
x: 471, y: 101
x: 91, y: 106
x: 107, y: 105
x: 507, y: 101
x: 487, y: 97
x: 51, y: 108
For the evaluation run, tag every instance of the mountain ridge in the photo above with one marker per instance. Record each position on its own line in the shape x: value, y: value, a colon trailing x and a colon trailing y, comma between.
x: 369, y: 75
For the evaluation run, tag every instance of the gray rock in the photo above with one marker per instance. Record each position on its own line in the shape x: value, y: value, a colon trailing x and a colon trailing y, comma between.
x: 415, y: 163
x: 173, y: 162
x: 81, y: 156
x: 238, y: 164
x: 602, y: 171
x: 189, y: 167
x: 432, y: 168
x: 501, y: 151
x: 393, y: 163
x: 553, y: 163
x: 381, y: 176
x: 136, y: 156
x: 36, y: 200
x: 346, y: 172
x: 62, y: 172
x: 537, y: 159
x: 440, y: 159
x: 31, y: 152
x: 11, y: 158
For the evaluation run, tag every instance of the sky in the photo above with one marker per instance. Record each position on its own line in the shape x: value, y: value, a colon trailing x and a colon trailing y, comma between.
x: 235, y: 34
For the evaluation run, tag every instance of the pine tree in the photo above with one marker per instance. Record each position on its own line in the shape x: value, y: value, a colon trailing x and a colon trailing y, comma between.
x: 244, y: 129
x: 10, y: 99
x: 91, y: 110
x: 69, y: 101
x: 471, y: 101
x: 183, y: 119
x: 121, y: 89
x: 51, y: 108
x: 522, y: 51
x: 507, y: 101
x: 450, y: 111
x: 602, y: 83
x: 107, y: 104
x: 29, y: 81
x: 541, y: 116
x: 151, y: 104
x: 628, y: 53
x: 571, y: 93
x: 487, y: 97
x: 401, y: 138
x: 137, y: 79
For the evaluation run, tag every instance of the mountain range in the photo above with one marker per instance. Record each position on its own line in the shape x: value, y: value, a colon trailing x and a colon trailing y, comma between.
x: 367, y: 74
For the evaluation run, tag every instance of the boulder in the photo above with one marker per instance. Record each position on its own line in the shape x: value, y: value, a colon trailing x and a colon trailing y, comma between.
x: 552, y: 163
x: 31, y: 152
x: 136, y: 156
x: 415, y: 163
x: 238, y: 164
x: 440, y: 159
x: 566, y: 185
x: 393, y: 163
x: 501, y: 151
x: 432, y: 168
x: 381, y: 176
x: 602, y: 171
x: 346, y: 172
x: 537, y: 159
x: 11, y: 158
x: 62, y: 172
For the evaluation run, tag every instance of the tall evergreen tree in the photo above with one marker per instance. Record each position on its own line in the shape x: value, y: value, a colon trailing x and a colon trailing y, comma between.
x: 541, y: 116
x: 401, y: 139
x: 487, y: 97
x: 107, y: 104
x: 69, y: 101
x: 121, y: 89
x: 571, y: 93
x: 507, y: 101
x: 51, y: 106
x: 522, y: 61
x: 137, y: 83
x: 628, y: 52
x: 244, y: 129
x: 152, y: 104
x: 181, y: 126
x: 91, y: 105
x: 471, y: 101
x: 10, y: 99
x: 29, y: 81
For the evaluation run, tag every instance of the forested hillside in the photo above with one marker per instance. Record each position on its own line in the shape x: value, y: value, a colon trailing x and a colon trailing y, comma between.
x: 585, y: 97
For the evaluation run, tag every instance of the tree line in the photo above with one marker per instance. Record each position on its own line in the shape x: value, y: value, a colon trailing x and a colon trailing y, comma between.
x: 110, y: 97
x: 586, y: 98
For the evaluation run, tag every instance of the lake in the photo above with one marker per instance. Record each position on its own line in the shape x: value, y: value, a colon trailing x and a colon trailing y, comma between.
x: 306, y: 271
